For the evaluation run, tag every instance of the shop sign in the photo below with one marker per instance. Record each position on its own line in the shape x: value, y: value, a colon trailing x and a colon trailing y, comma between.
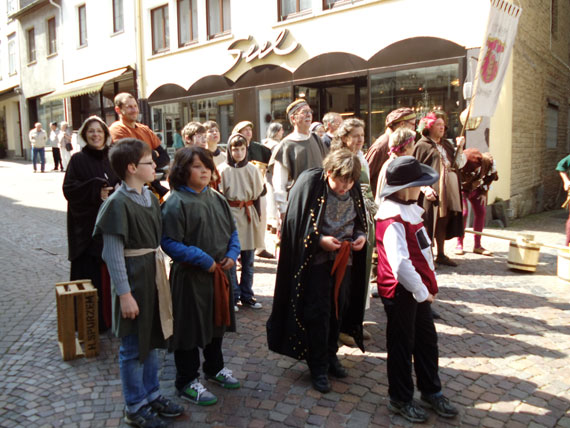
x: 259, y: 52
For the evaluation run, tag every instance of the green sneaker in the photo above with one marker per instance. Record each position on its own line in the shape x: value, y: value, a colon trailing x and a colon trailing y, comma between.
x: 225, y: 379
x: 196, y: 393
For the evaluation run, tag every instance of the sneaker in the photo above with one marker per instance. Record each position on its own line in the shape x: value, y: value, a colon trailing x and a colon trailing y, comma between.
x: 459, y: 251
x: 225, y: 379
x: 441, y: 405
x: 236, y: 308
x: 252, y: 303
x: 144, y: 418
x: 196, y: 393
x: 408, y: 410
x: 164, y: 407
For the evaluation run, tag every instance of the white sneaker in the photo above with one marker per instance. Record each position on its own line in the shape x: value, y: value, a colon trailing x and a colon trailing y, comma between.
x: 236, y: 309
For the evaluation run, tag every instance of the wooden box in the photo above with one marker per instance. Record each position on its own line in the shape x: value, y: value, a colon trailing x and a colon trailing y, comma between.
x: 77, y: 312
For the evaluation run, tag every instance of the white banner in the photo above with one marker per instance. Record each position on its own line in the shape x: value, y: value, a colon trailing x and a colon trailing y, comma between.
x: 494, y: 57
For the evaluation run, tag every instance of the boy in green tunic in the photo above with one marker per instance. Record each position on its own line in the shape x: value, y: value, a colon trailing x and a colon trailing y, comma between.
x: 130, y: 223
x: 200, y: 236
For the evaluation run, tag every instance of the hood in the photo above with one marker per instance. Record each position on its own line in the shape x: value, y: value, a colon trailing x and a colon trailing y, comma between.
x: 82, y: 142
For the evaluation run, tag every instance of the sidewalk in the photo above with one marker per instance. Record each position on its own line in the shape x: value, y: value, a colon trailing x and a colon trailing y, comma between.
x: 504, y: 339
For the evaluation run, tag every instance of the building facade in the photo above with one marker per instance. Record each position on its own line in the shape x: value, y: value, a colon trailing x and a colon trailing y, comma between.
x: 233, y: 60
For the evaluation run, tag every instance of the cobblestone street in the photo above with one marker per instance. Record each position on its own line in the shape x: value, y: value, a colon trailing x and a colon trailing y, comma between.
x: 504, y: 339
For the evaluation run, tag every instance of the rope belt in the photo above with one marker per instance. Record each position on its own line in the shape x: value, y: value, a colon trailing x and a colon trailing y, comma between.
x: 244, y: 205
x: 339, y: 268
x: 162, y: 286
x: 221, y: 298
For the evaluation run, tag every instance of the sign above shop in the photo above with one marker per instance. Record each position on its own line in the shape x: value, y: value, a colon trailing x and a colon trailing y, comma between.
x: 259, y: 52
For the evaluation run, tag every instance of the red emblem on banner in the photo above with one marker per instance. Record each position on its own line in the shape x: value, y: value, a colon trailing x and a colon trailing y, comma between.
x: 490, y: 68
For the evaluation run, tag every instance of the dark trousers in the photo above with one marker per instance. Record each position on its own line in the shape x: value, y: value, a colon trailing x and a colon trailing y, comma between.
x: 410, y: 331
x: 188, y: 362
x: 56, y: 158
x: 321, y: 323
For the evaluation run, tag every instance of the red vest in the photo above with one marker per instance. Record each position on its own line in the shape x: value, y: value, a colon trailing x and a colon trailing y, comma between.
x: 416, y: 239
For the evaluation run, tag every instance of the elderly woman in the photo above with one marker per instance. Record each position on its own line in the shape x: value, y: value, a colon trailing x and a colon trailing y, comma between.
x: 350, y: 135
x: 88, y: 181
x: 318, y: 128
x: 274, y: 135
x: 444, y: 220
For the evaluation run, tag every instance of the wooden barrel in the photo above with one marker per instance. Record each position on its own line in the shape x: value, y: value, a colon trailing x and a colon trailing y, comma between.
x: 523, y: 256
x: 564, y: 265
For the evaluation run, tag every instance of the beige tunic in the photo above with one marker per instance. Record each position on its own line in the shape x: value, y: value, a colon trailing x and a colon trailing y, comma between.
x: 244, y: 184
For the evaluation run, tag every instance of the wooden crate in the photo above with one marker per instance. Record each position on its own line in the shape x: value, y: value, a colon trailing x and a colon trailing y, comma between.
x: 77, y: 312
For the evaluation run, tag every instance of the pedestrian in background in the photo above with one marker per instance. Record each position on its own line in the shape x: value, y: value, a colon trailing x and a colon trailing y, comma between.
x: 38, y: 139
x: 65, y: 145
x: 212, y: 140
x: 54, y: 143
x: 274, y: 135
x: 331, y: 122
x: 129, y: 223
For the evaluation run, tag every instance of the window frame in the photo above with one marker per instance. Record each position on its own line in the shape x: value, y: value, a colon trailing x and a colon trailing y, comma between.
x: 192, y: 40
x: 118, y: 16
x: 223, y: 31
x: 51, y: 50
x: 165, y: 29
x: 82, y: 25
x: 31, y: 45
x: 11, y: 6
x: 337, y: 3
x: 298, y: 12
x: 12, y: 52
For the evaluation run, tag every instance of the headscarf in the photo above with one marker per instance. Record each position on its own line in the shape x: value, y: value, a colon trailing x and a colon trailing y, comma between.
x: 230, y: 159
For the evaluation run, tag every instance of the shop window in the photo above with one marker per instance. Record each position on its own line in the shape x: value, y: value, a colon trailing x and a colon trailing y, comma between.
x: 187, y: 22
x: 160, y: 37
x: 31, y: 45
x: 551, y: 126
x: 219, y: 19
x: 50, y: 112
x: 118, y: 21
x: 292, y: 8
x: 219, y: 109
x: 82, y: 21
x: 423, y: 89
x: 12, y: 6
x: 330, y: 4
x: 51, y: 37
x: 272, y: 108
x: 12, y: 54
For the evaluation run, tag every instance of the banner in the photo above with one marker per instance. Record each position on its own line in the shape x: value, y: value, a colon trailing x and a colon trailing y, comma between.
x: 494, y: 57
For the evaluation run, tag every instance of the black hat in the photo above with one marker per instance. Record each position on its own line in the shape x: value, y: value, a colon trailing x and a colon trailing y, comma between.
x: 406, y: 171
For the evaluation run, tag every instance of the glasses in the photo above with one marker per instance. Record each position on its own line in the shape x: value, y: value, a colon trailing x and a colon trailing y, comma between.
x: 305, y: 113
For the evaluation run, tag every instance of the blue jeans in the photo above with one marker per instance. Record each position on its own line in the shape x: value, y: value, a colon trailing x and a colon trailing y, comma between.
x: 139, y: 379
x: 244, y: 289
x: 42, y: 153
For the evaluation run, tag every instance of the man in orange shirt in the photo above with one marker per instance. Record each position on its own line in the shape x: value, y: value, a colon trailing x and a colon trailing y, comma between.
x: 127, y: 127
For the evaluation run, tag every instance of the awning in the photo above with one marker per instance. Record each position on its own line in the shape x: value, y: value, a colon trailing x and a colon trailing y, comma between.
x: 87, y: 85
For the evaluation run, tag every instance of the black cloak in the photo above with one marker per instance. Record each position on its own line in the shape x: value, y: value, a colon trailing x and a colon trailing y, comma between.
x: 299, y: 240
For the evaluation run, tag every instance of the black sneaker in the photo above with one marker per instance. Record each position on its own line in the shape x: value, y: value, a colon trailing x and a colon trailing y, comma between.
x: 408, y: 410
x: 252, y: 303
x: 441, y: 405
x: 321, y: 383
x: 167, y: 408
x: 144, y: 418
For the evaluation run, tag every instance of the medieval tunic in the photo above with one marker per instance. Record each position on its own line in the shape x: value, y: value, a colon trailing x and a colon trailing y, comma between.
x: 286, y: 331
x: 441, y: 157
x: 244, y: 184
x: 140, y: 228
x: 203, y: 221
x: 293, y: 155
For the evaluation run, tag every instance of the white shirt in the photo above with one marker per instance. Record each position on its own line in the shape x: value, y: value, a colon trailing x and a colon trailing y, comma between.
x: 397, y: 246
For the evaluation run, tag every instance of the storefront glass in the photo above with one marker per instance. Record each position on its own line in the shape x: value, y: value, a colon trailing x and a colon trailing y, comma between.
x: 272, y: 108
x: 50, y: 112
x: 168, y: 119
x: 219, y: 109
x: 423, y: 89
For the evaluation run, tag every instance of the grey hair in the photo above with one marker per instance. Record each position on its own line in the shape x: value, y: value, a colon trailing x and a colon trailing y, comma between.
x: 273, y: 129
x: 399, y: 136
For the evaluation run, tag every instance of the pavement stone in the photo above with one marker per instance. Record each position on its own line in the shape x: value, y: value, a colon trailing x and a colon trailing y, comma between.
x: 503, y: 339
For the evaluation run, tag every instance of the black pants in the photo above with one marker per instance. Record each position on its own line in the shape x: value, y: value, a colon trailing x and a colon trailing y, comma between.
x: 56, y: 158
x: 410, y: 331
x: 321, y: 323
x: 188, y: 362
